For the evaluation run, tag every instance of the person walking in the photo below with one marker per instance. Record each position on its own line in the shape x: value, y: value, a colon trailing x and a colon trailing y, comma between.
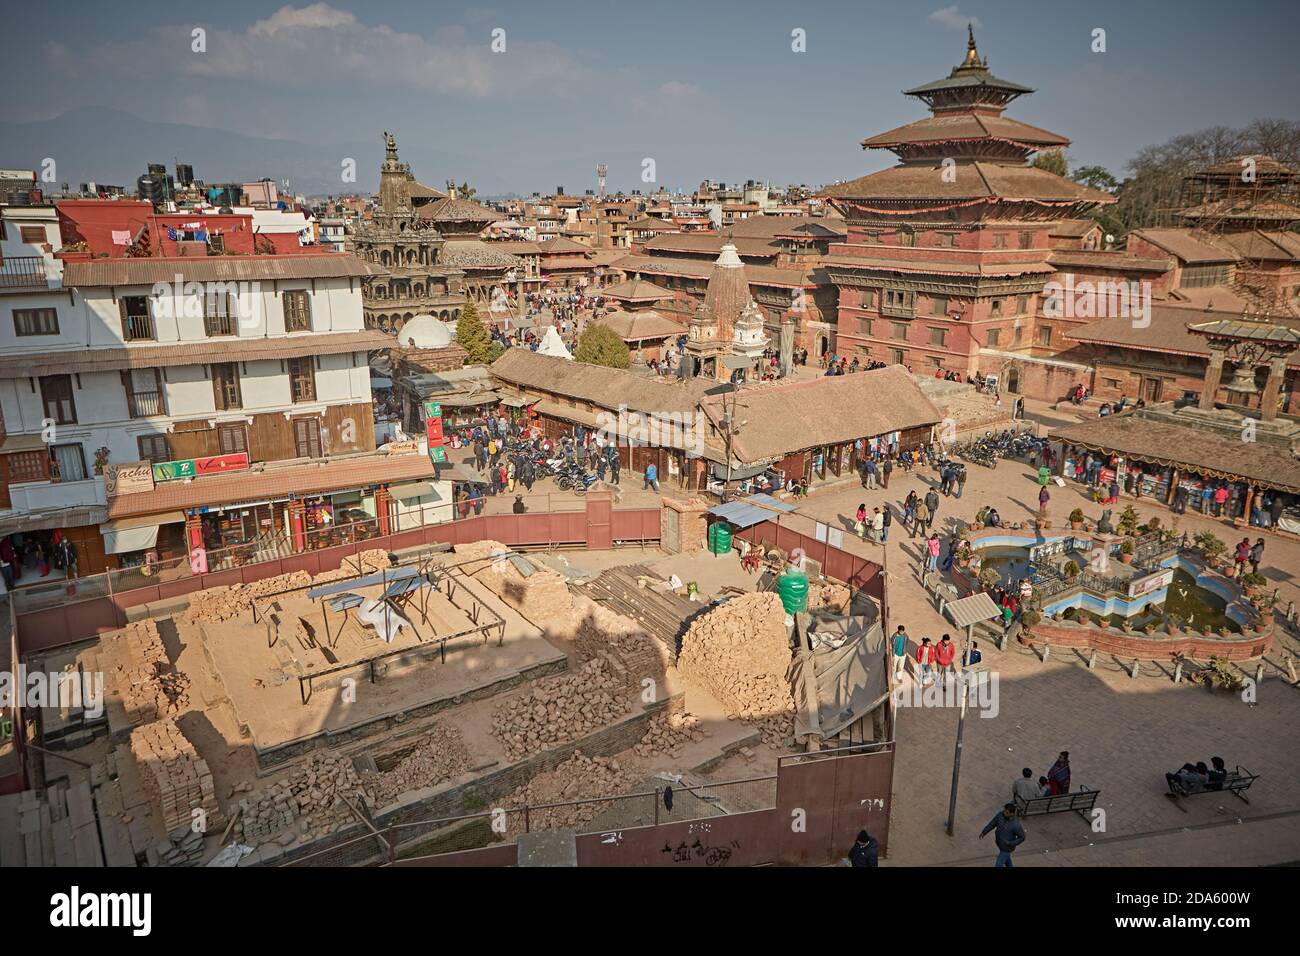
x: 925, y: 661
x: 1043, y: 498
x: 651, y: 477
x: 1256, y: 555
x: 886, y: 469
x: 878, y: 526
x: 865, y: 851
x: 1008, y: 833
x: 932, y: 552
x: 886, y: 519
x: 900, y: 650
x: 932, y: 503
x: 860, y: 521
x: 921, y: 519
x: 615, y: 464
x: 944, y: 654
x: 961, y: 481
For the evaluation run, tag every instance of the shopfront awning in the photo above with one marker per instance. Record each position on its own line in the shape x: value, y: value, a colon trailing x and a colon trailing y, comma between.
x: 738, y: 472
x: 511, y: 402
x: 416, y: 489
x: 751, y: 511
x: 464, y: 401
x: 136, y: 534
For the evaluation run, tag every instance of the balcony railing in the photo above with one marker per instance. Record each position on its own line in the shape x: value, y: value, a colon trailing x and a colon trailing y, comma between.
x: 144, y: 404
x: 907, y: 311
x: 136, y: 328
x: 23, y: 272
x: 219, y: 324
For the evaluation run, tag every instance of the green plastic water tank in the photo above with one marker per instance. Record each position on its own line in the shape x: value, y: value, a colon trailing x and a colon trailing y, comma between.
x: 720, y: 537
x: 792, y: 586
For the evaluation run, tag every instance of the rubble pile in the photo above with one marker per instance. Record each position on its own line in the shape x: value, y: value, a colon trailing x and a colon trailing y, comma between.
x: 563, y: 708
x: 370, y: 562
x: 831, y: 596
x: 174, y: 776
x: 150, y: 686
x: 578, y: 778
x: 668, y: 733
x: 740, y: 652
x: 543, y: 597
x: 214, y: 605
x: 306, y: 801
x: 600, y: 629
x: 777, y: 731
x: 439, y: 755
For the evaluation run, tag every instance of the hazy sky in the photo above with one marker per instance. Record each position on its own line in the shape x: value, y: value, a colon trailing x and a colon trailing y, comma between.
x: 705, y: 88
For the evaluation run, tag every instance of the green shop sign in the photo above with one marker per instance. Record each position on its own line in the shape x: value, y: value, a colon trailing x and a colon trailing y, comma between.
x: 433, y: 409
x: 171, y: 470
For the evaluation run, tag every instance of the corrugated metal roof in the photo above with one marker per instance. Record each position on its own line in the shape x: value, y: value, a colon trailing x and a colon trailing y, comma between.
x: 747, y: 512
x: 969, y: 611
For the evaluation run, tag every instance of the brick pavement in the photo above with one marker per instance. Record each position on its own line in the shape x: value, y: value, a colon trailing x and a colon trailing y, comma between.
x: 1123, y: 733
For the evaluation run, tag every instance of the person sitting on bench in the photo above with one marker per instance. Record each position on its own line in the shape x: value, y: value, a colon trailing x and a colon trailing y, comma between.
x: 1190, y: 779
x: 1217, y: 776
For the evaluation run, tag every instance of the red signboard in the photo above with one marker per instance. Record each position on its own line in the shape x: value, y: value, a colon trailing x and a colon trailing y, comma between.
x: 433, y: 428
x: 217, y: 464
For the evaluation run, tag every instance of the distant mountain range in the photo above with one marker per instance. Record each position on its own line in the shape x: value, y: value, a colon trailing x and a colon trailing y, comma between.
x: 112, y: 147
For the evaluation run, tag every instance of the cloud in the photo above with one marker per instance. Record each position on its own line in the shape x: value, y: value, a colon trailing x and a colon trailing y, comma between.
x: 953, y: 19
x: 318, y: 15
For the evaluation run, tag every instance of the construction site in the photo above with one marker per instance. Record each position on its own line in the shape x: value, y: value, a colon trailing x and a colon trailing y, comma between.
x: 470, y: 704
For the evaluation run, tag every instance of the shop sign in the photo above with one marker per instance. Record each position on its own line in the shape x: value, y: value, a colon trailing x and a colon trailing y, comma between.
x: 173, y: 470
x: 402, y: 448
x: 433, y: 429
x: 126, y: 479
x: 433, y: 409
x: 217, y: 464
x: 438, y: 454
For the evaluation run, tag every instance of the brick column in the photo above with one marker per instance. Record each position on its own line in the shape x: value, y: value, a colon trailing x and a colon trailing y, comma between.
x: 1213, y: 375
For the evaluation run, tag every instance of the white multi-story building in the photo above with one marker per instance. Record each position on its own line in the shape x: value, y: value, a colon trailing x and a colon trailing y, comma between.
x: 154, y: 407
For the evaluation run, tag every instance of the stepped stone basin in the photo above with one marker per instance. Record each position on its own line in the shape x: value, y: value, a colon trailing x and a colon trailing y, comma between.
x: 1167, y: 601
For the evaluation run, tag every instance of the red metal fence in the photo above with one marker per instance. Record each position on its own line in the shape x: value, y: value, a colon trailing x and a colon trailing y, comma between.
x: 855, y: 571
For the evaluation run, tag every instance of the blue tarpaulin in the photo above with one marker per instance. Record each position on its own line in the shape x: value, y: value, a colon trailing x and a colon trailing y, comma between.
x: 380, y: 577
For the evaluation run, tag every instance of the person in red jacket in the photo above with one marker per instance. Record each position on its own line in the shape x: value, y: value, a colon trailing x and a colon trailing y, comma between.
x: 925, y: 661
x: 944, y: 653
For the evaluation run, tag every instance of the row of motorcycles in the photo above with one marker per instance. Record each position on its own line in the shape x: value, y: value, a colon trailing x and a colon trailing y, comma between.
x: 992, y: 447
x: 563, y: 464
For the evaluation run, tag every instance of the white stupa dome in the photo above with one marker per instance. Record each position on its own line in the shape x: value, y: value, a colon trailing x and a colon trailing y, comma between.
x: 426, y: 332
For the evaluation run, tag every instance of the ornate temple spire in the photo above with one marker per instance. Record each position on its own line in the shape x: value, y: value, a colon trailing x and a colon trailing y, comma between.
x: 972, y: 54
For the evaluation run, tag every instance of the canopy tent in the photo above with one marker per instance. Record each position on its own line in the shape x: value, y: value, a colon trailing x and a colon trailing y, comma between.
x: 553, y: 345
x: 414, y: 490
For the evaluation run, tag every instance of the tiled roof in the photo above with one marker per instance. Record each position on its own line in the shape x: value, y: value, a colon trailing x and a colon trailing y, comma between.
x: 223, y: 349
x: 1166, y: 333
x: 1181, y: 243
x: 703, y: 268
x: 964, y: 126
x: 1266, y: 246
x: 638, y: 326
x: 1090, y: 259
x: 448, y: 209
x: 275, y: 480
x: 606, y: 387
x: 148, y: 270
x: 830, y: 410
x: 712, y: 243
x: 1192, y: 446
x: 967, y: 181
x: 472, y: 253
x: 561, y: 245
x: 636, y: 290
x: 933, y: 266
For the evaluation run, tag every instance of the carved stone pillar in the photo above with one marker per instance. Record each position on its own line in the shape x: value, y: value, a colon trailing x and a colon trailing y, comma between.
x: 1213, y: 375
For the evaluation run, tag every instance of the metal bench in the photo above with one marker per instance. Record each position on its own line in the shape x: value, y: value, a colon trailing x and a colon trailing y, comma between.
x: 1237, y: 781
x: 1081, y: 801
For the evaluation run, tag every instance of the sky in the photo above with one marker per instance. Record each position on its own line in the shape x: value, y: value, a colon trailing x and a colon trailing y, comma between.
x: 705, y: 89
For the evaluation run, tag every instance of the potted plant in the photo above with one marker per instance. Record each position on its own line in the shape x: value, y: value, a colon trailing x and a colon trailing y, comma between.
x: 1126, y: 551
x: 1070, y: 570
x: 1076, y: 519
x: 964, y: 554
x: 1128, y: 520
x: 989, y: 577
x: 1252, y: 580
x: 1219, y: 674
x: 1029, y: 619
x: 1148, y: 628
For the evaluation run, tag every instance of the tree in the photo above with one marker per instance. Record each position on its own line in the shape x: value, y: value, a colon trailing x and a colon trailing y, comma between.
x: 466, y: 191
x: 472, y: 336
x: 1054, y: 161
x: 1095, y: 177
x: 600, y: 345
